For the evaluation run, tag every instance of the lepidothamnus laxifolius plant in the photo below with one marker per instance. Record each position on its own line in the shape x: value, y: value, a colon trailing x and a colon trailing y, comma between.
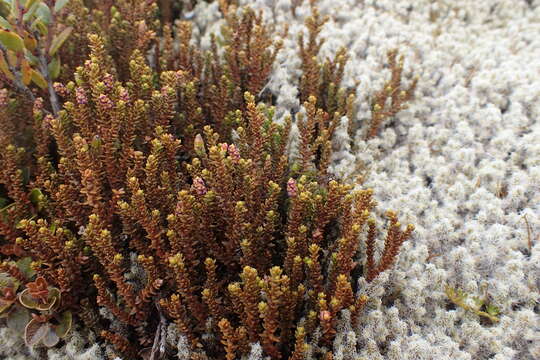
x: 127, y: 146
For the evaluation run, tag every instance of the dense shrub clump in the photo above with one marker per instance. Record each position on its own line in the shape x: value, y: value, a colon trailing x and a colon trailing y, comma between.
x: 130, y: 151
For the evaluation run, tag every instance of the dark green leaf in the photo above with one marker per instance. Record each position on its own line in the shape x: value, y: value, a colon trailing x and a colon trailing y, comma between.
x: 54, y: 68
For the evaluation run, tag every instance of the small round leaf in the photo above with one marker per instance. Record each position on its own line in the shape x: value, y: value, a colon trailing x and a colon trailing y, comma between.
x: 34, y: 332
x: 63, y: 328
x: 18, y: 318
x: 51, y: 338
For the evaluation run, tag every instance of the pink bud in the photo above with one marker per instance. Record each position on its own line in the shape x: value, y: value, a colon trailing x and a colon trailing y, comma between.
x: 105, y: 102
x: 199, y: 186
x: 325, y: 315
x: 234, y: 152
x: 108, y: 80
x: 47, y: 120
x: 80, y: 95
x: 124, y: 95
x: 292, y: 189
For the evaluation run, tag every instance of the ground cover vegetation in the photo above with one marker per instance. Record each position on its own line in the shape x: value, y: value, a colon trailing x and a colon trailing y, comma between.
x: 127, y: 146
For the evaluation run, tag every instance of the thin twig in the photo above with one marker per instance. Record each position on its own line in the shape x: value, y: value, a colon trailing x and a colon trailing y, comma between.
x: 529, y: 233
x: 160, y: 337
x: 53, y: 97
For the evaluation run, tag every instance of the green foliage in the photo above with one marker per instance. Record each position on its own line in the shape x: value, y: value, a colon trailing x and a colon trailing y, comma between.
x: 29, y: 44
x: 481, y: 306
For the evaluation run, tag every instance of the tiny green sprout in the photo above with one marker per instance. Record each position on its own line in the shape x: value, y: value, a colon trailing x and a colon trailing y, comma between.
x: 492, y: 310
x: 458, y: 297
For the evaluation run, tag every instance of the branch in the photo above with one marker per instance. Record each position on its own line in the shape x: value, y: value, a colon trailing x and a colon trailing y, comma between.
x: 53, y: 97
x: 160, y: 337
